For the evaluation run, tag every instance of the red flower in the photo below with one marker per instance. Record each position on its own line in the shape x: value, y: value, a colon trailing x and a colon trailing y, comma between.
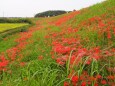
x: 83, y: 84
x: 88, y: 62
x: 3, y: 62
x: 96, y: 53
x: 22, y: 64
x: 95, y: 84
x: 99, y: 76
x: 111, y: 77
x: 58, y: 48
x: 72, y: 59
x: 82, y: 52
x: 40, y: 57
x: 109, y: 35
x: 103, y: 82
x: 101, y: 24
x: 66, y: 84
x: 60, y: 61
x: 74, y: 79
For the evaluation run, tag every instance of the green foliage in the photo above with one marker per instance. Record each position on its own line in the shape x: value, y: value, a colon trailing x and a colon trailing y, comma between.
x: 93, y: 11
x: 46, y: 72
x: 15, y: 20
x: 50, y: 13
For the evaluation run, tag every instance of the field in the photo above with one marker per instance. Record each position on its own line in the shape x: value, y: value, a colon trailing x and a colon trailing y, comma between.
x: 74, y: 49
x: 7, y: 26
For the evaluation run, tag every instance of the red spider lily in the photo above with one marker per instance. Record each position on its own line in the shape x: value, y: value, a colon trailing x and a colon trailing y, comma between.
x: 73, y: 59
x: 47, y: 37
x: 74, y: 79
x: 111, y: 69
x: 66, y: 18
x: 83, y: 84
x: 24, y: 36
x: 12, y: 53
x: 60, y: 61
x: 74, y: 83
x: 108, y: 34
x: 66, y: 84
x: 107, y: 53
x: 103, y: 82
x: 96, y: 53
x: 101, y: 24
x: 89, y: 83
x: 99, y: 76
x: 3, y: 62
x: 61, y: 49
x: 22, y: 64
x: 82, y: 52
x: 40, y: 57
x: 70, y: 41
x: 96, y: 84
x: 70, y: 30
x: 53, y: 56
x: 88, y: 62
x: 21, y: 45
x: 111, y: 77
x: 82, y: 77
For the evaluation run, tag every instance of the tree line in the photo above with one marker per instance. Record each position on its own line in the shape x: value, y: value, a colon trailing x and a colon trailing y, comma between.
x: 50, y: 13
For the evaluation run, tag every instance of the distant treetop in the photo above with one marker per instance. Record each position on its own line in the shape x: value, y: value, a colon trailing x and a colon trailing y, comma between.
x: 50, y: 13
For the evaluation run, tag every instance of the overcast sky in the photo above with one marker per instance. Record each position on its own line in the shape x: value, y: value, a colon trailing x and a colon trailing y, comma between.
x: 28, y: 8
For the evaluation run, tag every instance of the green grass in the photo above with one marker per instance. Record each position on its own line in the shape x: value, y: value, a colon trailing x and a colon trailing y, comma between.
x: 47, y: 72
x: 9, y: 26
x: 8, y: 43
x: 95, y: 10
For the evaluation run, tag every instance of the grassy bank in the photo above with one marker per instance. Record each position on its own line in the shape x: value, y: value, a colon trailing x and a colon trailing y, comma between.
x: 74, y: 49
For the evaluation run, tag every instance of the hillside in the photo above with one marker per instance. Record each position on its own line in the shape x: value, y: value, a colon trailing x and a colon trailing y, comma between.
x: 74, y: 49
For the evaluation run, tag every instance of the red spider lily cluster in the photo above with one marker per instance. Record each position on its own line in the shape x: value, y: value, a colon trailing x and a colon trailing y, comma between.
x: 14, y: 53
x: 62, y: 47
x: 84, y: 79
x: 70, y: 49
x: 68, y: 46
x: 66, y: 18
x: 3, y: 62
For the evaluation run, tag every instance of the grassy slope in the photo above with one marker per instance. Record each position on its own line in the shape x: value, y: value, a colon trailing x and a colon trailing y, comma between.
x: 6, y: 29
x: 46, y: 72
